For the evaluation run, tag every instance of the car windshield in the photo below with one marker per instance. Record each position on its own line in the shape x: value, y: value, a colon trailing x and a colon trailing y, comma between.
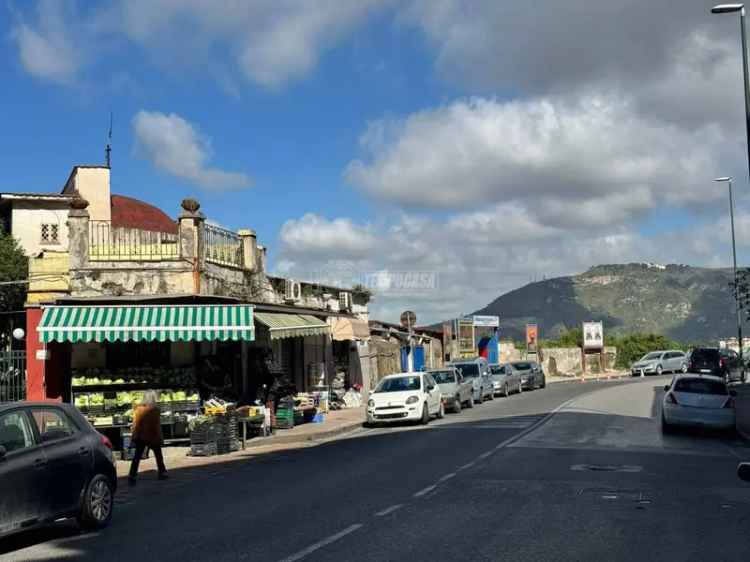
x: 399, y: 384
x: 522, y: 366
x: 651, y: 356
x: 700, y: 386
x: 468, y: 370
x: 443, y: 377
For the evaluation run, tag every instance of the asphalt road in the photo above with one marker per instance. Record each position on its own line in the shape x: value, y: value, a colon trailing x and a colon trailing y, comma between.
x: 571, y: 472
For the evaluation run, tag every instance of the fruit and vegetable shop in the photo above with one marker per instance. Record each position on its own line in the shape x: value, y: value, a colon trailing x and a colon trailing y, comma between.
x: 103, y: 356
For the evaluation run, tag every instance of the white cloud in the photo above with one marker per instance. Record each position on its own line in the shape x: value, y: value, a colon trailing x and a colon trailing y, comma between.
x: 312, y: 235
x: 555, y: 152
x: 174, y: 145
x: 47, y: 49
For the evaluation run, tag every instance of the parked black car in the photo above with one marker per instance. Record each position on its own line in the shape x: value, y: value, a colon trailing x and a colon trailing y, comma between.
x: 715, y: 361
x: 532, y: 375
x: 53, y: 464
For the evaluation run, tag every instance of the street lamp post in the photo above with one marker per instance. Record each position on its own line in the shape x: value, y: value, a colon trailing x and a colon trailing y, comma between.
x: 732, y: 8
x: 728, y: 181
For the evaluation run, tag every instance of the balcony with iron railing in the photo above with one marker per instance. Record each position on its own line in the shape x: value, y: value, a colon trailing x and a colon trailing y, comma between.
x: 222, y: 246
x: 108, y: 243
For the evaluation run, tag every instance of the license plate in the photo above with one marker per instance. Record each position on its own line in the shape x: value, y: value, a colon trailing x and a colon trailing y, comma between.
x: 705, y: 370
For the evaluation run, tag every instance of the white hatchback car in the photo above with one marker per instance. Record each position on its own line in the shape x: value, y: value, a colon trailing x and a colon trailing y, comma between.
x: 404, y: 397
x: 697, y: 401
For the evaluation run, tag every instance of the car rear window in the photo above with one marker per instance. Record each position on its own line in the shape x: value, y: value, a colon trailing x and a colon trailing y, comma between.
x: 705, y: 354
x: 497, y: 369
x: 468, y: 369
x: 522, y: 366
x: 443, y: 377
x: 700, y: 386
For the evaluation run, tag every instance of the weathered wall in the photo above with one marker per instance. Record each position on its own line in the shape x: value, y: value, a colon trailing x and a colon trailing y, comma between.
x: 508, y: 352
x: 561, y: 360
x: 132, y: 278
x: 27, y: 218
x: 49, y: 276
x: 388, y: 359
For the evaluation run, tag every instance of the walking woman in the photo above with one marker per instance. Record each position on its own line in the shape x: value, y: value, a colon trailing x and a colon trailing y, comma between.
x: 147, y: 433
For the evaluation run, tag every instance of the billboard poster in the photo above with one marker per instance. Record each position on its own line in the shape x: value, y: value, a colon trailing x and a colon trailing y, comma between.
x: 487, y: 321
x: 532, y: 334
x: 466, y: 345
x: 593, y: 335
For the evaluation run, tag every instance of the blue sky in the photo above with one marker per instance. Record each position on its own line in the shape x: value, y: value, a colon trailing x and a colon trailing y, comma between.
x: 485, y: 142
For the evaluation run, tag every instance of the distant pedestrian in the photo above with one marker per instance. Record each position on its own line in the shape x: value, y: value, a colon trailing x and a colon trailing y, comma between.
x: 147, y: 433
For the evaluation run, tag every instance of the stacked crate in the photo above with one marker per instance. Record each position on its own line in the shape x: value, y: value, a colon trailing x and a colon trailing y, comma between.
x: 227, y: 439
x: 204, y: 440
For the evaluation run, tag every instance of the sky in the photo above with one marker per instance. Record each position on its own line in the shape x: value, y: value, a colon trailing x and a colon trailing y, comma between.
x: 442, y: 152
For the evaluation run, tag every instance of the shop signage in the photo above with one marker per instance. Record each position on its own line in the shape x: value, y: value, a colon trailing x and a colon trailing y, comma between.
x: 593, y: 335
x: 487, y: 321
x: 532, y: 334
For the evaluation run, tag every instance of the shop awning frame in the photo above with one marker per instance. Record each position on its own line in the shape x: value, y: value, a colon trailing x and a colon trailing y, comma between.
x: 215, y: 322
x: 281, y: 325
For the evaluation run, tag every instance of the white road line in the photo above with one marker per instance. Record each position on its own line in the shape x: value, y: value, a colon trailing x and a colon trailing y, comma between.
x: 320, y: 544
x: 447, y: 477
x: 467, y: 465
x: 485, y: 455
x: 388, y: 510
x: 424, y: 491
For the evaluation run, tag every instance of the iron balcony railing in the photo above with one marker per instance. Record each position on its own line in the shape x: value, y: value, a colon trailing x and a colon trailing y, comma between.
x: 222, y: 246
x: 12, y: 376
x: 108, y: 243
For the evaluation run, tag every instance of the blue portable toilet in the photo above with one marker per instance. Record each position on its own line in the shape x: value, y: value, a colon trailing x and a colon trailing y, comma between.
x: 419, y: 358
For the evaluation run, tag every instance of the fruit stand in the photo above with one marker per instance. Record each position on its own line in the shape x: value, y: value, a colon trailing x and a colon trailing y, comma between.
x: 108, y: 398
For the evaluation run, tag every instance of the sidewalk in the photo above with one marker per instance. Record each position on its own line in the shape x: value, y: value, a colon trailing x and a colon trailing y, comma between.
x: 606, y: 376
x: 336, y: 423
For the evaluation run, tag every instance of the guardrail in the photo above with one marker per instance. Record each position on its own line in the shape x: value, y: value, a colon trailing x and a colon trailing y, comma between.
x: 108, y: 243
x: 222, y: 246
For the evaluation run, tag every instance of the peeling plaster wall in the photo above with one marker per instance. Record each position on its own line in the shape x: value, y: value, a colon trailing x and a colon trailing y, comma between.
x: 117, y: 279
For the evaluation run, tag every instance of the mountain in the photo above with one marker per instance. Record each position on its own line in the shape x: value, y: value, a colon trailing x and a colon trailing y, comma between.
x: 689, y: 304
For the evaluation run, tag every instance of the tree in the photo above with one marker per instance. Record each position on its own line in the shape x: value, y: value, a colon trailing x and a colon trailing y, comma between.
x: 14, y: 266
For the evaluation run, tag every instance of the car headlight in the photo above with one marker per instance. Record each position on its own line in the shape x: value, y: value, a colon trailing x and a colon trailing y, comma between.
x: 412, y: 399
x: 371, y: 403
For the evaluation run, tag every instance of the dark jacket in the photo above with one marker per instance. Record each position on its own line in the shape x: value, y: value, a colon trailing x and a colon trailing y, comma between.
x: 147, y: 425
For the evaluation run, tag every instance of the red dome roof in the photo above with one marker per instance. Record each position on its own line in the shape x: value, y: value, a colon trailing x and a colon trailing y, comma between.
x: 132, y: 213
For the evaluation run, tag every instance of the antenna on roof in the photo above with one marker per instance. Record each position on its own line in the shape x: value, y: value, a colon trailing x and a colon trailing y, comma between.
x: 108, y: 148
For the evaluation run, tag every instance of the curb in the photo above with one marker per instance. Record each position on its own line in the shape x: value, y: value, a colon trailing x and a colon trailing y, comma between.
x: 602, y: 378
x: 281, y: 439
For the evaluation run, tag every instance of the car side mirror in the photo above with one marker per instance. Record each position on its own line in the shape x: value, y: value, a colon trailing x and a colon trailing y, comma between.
x: 666, y: 387
x: 743, y: 471
x: 3, y: 452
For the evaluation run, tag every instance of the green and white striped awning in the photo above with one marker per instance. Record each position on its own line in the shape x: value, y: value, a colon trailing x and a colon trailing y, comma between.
x: 282, y: 325
x: 222, y: 322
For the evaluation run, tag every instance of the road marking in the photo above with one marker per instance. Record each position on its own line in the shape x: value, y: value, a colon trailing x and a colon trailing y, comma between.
x: 485, y: 455
x: 424, y: 491
x: 447, y: 477
x: 320, y: 544
x: 467, y: 465
x: 388, y: 510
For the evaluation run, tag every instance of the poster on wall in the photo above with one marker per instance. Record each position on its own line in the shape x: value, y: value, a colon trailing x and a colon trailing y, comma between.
x: 593, y: 335
x: 532, y: 333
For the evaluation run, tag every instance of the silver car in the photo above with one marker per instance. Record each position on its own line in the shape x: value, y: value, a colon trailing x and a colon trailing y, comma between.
x: 505, y: 379
x: 477, y: 371
x: 456, y: 390
x: 658, y: 362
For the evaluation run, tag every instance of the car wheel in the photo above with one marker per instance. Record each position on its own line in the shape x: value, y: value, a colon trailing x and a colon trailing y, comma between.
x: 470, y: 403
x: 457, y: 405
x: 659, y: 370
x: 505, y: 390
x: 425, y: 414
x: 544, y: 382
x: 441, y: 412
x: 98, y: 500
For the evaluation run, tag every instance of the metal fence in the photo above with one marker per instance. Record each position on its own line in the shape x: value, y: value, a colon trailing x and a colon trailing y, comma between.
x: 12, y: 376
x: 107, y: 243
x: 222, y: 246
